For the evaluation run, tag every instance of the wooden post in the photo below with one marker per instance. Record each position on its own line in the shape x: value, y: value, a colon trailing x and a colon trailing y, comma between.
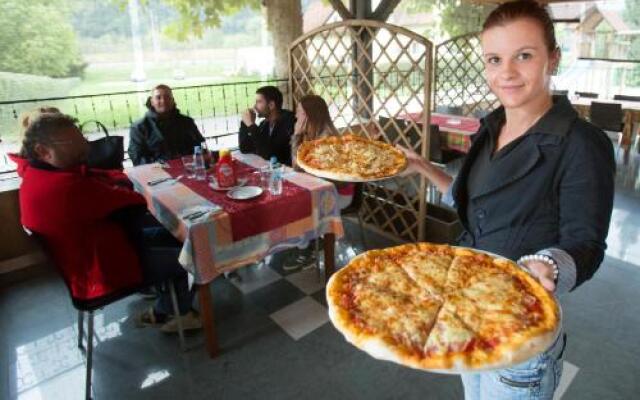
x: 329, y: 255
x: 208, y: 323
x: 364, y: 102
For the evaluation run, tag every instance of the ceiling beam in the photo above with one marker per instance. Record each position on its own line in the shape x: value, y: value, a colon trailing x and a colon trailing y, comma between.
x: 384, y: 10
x: 341, y: 9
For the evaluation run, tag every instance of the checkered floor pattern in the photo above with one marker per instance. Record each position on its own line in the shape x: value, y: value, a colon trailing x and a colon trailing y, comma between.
x: 302, y: 308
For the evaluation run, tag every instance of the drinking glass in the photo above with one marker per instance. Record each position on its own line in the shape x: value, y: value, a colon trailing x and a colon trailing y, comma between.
x: 187, y: 162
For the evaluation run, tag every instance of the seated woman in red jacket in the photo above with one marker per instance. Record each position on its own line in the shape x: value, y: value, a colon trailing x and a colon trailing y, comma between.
x: 89, y: 222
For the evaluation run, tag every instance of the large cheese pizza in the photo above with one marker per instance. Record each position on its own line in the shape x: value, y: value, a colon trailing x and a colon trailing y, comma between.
x: 350, y: 158
x: 442, y: 308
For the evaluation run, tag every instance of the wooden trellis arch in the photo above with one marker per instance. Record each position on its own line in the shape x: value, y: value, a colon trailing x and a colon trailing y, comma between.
x: 376, y: 79
x: 459, y: 81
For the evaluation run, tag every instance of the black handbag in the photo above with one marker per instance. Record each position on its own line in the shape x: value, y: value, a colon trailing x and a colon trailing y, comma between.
x: 106, y: 152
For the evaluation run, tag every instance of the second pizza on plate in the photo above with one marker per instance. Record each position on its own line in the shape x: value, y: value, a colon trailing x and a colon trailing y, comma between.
x: 350, y: 158
x: 442, y: 308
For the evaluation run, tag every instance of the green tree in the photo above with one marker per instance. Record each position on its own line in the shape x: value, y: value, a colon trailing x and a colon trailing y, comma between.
x: 457, y: 17
x: 283, y: 17
x: 198, y: 15
x: 96, y: 19
x: 37, y: 38
x: 632, y: 13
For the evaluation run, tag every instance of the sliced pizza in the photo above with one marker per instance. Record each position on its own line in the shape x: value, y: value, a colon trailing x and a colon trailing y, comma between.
x: 442, y: 308
x: 350, y: 158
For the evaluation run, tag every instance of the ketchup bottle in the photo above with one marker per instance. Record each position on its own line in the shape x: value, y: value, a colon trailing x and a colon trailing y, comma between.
x: 225, y: 173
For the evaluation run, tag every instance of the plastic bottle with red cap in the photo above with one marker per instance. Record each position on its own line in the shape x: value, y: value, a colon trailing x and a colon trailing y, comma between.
x: 225, y: 171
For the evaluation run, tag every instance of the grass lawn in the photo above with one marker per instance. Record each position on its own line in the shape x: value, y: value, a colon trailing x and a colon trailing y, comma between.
x: 119, y: 110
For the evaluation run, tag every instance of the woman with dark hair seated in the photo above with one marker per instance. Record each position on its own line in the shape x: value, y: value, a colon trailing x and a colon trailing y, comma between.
x: 90, y: 222
x: 164, y: 133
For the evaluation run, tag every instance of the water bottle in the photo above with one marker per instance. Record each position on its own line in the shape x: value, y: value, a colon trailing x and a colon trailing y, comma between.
x: 275, y: 181
x: 198, y: 164
x: 206, y: 154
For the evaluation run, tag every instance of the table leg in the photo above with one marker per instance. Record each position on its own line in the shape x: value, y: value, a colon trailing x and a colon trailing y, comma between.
x: 329, y: 254
x: 206, y: 315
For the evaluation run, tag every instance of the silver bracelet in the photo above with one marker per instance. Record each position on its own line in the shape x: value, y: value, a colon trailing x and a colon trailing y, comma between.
x: 543, y: 258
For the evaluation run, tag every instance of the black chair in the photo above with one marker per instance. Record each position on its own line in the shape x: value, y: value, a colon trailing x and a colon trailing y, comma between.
x: 560, y: 92
x: 90, y: 306
x: 449, y: 109
x: 437, y: 153
x: 608, y: 117
x: 624, y: 97
x: 588, y: 95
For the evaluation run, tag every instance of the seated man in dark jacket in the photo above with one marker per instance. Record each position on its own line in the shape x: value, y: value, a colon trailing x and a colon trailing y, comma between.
x: 163, y: 133
x: 273, y: 136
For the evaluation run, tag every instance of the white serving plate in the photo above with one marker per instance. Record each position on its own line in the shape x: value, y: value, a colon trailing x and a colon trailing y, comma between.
x: 244, y: 192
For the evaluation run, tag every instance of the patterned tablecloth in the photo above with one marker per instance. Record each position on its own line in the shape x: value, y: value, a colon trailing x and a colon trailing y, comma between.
x: 237, y: 233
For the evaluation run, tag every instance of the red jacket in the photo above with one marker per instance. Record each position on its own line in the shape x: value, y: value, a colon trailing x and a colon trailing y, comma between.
x: 70, y: 210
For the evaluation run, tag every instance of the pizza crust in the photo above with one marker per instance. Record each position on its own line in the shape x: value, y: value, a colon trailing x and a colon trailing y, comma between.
x: 519, y: 347
x: 380, y: 350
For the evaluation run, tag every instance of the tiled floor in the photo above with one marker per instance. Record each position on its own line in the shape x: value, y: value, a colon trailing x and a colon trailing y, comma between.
x: 277, y: 342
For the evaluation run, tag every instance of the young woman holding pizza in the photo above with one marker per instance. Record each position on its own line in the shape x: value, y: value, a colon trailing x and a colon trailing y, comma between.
x: 536, y: 186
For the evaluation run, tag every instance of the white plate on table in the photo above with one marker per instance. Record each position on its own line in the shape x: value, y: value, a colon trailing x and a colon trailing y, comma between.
x: 213, y: 184
x: 244, y: 192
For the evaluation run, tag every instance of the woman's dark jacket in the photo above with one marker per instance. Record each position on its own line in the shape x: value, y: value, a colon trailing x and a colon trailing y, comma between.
x: 553, y: 189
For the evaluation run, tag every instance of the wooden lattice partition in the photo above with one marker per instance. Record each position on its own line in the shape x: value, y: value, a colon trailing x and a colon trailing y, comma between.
x: 376, y: 79
x: 459, y: 83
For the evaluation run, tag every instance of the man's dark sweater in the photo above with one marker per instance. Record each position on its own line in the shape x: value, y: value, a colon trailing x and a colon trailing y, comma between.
x: 259, y: 140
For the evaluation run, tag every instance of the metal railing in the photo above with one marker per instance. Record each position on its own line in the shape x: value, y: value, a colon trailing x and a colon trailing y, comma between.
x: 215, y: 108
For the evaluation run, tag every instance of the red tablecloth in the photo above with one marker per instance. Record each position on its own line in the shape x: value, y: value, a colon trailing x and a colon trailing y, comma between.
x: 255, y: 216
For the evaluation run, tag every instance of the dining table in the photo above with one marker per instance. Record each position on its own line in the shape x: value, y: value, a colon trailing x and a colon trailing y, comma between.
x: 630, y: 118
x: 220, y: 234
